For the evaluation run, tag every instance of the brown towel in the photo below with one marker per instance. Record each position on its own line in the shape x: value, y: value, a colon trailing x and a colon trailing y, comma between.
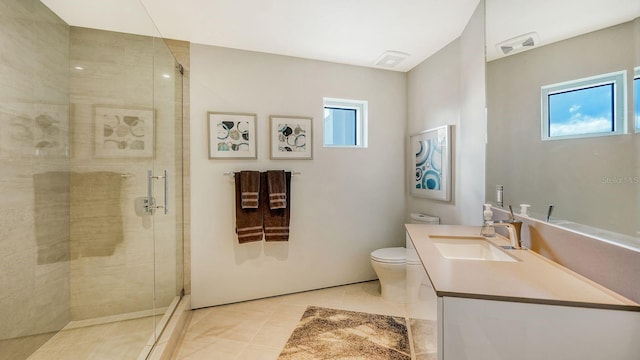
x: 248, y: 221
x: 277, y: 189
x: 250, y: 189
x: 276, y: 221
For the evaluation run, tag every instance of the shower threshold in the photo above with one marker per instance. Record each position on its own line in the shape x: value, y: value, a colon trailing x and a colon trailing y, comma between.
x: 128, y: 336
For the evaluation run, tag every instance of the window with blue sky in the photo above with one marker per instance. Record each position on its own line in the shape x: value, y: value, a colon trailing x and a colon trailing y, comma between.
x: 586, y: 107
x: 636, y: 94
x: 581, y: 111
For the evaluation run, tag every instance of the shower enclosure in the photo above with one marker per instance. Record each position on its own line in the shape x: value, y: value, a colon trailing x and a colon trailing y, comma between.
x: 91, y: 166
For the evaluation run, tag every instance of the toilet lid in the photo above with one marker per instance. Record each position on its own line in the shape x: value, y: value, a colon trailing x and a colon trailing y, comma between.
x: 390, y: 255
x: 424, y: 218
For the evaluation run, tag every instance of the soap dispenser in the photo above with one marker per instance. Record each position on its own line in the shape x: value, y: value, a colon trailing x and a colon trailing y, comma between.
x: 523, y: 209
x: 487, y: 225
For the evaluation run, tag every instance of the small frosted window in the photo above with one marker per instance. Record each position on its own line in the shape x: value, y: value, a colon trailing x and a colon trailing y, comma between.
x: 584, y: 108
x: 345, y: 123
x: 340, y: 126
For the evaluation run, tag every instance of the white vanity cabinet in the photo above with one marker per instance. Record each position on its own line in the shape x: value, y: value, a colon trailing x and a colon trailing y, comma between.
x: 421, y: 307
x: 531, y: 309
x: 488, y: 329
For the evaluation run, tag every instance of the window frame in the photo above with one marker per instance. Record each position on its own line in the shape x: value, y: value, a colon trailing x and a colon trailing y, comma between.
x: 636, y: 99
x: 619, y: 81
x: 361, y: 108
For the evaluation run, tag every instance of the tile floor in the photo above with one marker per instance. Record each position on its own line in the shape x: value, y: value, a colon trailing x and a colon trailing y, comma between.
x: 117, y: 340
x: 259, y: 329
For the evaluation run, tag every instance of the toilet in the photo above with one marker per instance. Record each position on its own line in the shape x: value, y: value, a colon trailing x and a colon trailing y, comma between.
x: 390, y: 265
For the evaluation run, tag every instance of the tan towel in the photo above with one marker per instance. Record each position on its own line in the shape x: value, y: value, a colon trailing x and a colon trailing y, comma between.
x: 276, y: 221
x: 250, y: 189
x: 51, y: 215
x: 95, y: 217
x: 248, y: 221
x: 277, y: 189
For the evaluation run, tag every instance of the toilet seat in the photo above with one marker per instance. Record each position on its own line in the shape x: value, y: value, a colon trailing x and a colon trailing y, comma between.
x: 399, y: 269
x: 394, y: 255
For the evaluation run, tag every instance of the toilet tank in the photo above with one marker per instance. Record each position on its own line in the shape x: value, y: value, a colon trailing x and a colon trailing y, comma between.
x: 419, y: 218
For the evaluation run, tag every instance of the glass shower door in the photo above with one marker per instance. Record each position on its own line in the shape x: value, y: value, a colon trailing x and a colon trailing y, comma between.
x: 114, y: 124
x: 167, y: 184
x: 127, y: 121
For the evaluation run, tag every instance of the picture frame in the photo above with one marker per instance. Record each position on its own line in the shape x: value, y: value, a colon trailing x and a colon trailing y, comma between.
x: 232, y: 135
x: 45, y: 133
x: 123, y: 132
x: 431, y: 150
x: 291, y: 137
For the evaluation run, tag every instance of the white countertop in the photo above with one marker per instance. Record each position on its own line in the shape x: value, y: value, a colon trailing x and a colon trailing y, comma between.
x: 533, y: 278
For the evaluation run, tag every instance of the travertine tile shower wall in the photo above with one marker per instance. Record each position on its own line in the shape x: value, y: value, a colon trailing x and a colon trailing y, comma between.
x: 34, y: 189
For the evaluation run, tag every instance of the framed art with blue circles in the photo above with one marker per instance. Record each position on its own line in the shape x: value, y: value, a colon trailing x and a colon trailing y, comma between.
x: 232, y: 135
x: 291, y: 137
x: 431, y: 151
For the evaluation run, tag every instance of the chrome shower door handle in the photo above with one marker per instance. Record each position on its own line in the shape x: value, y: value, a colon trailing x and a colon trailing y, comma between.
x: 151, y: 206
x: 166, y: 192
x: 150, y: 203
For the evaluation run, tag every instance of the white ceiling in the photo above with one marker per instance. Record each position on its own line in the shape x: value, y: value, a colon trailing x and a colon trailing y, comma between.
x: 353, y: 32
x: 553, y: 20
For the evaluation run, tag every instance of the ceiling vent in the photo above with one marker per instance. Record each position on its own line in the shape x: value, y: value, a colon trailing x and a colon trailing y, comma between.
x: 519, y: 43
x: 390, y: 59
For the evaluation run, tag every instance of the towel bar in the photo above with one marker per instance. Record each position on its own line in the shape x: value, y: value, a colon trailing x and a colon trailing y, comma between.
x: 232, y: 173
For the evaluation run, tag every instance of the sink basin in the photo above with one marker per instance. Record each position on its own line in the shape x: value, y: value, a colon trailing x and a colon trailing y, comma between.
x: 469, y: 248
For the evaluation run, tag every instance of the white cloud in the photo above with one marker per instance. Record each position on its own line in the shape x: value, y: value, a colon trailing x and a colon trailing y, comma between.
x: 574, y: 108
x: 580, y: 124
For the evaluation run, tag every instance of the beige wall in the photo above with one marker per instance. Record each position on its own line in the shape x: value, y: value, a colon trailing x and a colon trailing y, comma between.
x: 345, y: 203
x: 34, y: 205
x: 471, y: 149
x: 448, y: 89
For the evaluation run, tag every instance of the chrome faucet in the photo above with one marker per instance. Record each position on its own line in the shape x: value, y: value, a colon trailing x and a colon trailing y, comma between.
x: 513, y: 227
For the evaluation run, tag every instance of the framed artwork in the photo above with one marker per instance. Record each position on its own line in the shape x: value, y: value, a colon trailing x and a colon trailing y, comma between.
x: 40, y: 130
x: 232, y: 135
x: 121, y: 132
x: 291, y: 137
x: 432, y: 163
